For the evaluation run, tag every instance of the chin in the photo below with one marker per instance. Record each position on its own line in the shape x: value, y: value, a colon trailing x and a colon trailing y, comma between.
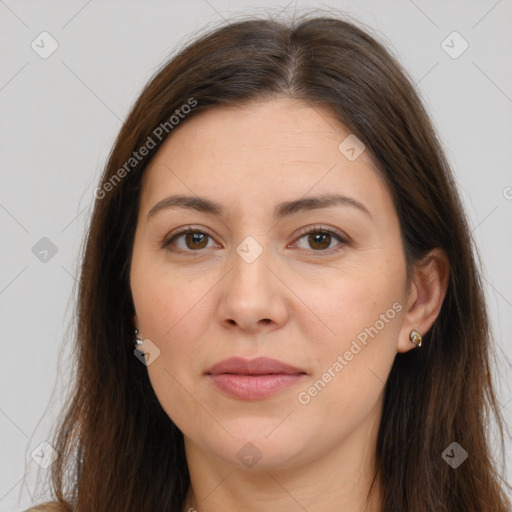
x: 254, y: 448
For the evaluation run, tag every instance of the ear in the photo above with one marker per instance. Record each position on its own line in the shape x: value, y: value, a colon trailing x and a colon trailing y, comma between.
x: 427, y: 290
x: 135, y: 322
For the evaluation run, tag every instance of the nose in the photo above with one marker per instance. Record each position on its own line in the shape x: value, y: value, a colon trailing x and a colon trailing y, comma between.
x: 253, y: 296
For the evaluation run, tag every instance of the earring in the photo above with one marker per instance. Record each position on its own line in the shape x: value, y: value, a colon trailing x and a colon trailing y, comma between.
x: 416, y: 337
x: 138, y: 342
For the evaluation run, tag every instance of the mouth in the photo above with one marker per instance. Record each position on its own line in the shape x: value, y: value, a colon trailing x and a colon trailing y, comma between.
x: 253, y: 379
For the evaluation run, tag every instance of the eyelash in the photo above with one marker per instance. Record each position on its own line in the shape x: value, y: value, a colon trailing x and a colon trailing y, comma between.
x: 302, y: 234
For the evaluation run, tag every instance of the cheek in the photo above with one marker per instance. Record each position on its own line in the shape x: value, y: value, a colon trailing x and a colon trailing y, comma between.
x: 364, y: 306
x: 354, y: 358
x: 170, y: 303
x: 174, y: 312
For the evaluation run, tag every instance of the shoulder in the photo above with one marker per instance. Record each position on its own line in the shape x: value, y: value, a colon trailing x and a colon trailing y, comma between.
x: 50, y: 506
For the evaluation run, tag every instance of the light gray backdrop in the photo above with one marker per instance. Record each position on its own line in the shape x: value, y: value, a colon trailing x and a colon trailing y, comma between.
x: 70, y: 72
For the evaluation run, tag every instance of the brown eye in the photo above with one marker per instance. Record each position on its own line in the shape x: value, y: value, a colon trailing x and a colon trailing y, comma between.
x: 320, y: 239
x: 196, y: 240
x: 189, y: 240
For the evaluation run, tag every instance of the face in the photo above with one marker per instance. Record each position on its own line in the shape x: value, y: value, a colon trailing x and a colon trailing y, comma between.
x: 319, y: 286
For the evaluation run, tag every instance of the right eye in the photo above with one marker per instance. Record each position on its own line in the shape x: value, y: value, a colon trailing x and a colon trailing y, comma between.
x: 192, y: 240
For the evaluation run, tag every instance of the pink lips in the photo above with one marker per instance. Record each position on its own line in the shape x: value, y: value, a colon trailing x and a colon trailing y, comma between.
x: 253, y: 379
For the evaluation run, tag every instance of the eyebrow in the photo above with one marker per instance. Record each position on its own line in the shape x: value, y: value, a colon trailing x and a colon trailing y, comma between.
x: 281, y: 210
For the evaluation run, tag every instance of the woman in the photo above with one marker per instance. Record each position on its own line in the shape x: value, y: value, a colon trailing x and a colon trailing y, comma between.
x: 279, y: 306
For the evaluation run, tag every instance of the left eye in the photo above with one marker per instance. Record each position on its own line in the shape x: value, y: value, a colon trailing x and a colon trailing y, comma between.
x: 320, y: 239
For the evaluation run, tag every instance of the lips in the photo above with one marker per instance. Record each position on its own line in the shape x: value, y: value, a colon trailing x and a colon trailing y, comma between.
x: 253, y: 379
x: 258, y: 366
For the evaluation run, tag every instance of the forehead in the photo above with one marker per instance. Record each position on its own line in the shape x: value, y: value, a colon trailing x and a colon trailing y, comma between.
x: 281, y: 128
x: 260, y: 150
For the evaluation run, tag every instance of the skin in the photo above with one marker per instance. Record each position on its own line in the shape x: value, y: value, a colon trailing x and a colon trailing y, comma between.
x: 300, y: 301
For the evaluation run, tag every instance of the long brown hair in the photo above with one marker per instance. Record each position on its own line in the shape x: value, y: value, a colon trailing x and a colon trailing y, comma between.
x: 117, y: 448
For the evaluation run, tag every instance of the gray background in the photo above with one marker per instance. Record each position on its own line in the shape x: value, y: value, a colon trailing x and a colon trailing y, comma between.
x: 59, y: 117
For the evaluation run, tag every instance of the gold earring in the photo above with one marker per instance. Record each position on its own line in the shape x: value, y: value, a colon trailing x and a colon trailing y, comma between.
x: 416, y: 337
